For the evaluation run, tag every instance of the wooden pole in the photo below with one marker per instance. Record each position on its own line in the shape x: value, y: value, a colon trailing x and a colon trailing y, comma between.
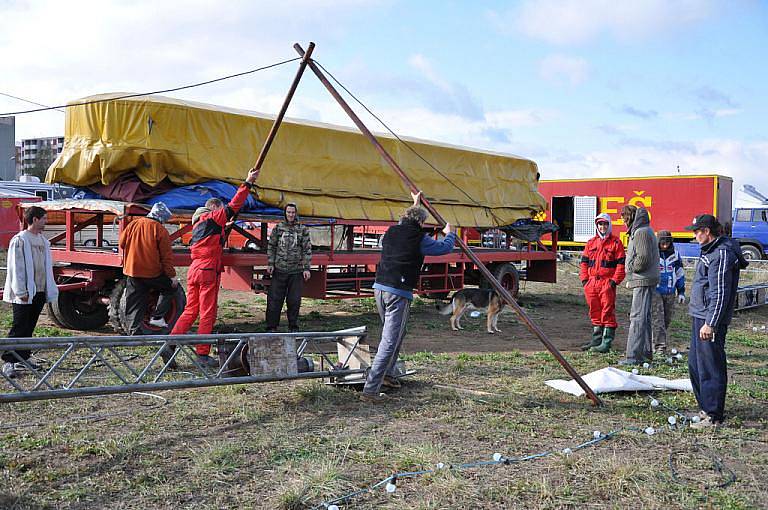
x: 504, y: 293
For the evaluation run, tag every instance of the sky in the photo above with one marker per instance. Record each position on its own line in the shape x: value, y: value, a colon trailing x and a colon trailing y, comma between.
x: 586, y: 88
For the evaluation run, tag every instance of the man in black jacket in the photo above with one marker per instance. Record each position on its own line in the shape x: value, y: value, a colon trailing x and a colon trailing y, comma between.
x: 713, y: 296
x: 403, y: 248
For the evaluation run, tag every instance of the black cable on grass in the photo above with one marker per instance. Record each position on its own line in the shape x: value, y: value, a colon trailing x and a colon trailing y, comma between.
x: 174, y: 89
x: 727, y: 475
x: 408, y: 146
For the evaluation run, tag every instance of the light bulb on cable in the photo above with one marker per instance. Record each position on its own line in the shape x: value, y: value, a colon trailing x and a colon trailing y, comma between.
x: 650, y: 431
x: 695, y: 419
x: 391, y: 487
x: 332, y: 507
x: 440, y: 465
x: 672, y: 420
x: 567, y: 451
x: 646, y: 365
x: 678, y: 356
x: 635, y: 371
x: 497, y: 457
x: 654, y: 403
x: 596, y: 434
x: 674, y: 351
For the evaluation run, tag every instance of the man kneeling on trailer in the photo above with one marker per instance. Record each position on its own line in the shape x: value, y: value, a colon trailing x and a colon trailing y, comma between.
x: 403, y: 248
x: 203, y: 278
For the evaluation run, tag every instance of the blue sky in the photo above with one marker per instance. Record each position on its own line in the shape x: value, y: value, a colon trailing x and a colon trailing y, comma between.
x: 585, y: 88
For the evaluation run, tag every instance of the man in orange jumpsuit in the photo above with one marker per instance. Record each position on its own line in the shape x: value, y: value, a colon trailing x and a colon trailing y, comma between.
x: 204, y: 275
x: 602, y: 270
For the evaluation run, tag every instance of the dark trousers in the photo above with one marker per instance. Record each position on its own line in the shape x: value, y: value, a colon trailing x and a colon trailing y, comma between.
x: 285, y: 288
x: 24, y: 322
x: 137, y: 294
x: 708, y: 370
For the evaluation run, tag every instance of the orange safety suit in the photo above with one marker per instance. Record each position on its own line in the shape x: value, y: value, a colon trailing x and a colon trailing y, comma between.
x: 204, y: 275
x: 601, y: 271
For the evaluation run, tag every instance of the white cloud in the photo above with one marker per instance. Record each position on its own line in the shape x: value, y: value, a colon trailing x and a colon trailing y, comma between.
x: 53, y: 51
x: 578, y: 21
x: 560, y: 68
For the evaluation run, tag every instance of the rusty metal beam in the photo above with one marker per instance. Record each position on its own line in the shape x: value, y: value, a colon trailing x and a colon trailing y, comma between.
x: 535, y: 329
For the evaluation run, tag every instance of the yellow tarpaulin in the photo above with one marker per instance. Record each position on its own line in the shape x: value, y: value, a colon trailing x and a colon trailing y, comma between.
x: 329, y: 171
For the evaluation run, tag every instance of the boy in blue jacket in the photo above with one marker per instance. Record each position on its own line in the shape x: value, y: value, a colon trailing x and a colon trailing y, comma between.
x: 671, y: 289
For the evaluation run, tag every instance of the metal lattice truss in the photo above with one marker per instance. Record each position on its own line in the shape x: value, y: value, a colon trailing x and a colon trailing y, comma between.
x: 64, y: 367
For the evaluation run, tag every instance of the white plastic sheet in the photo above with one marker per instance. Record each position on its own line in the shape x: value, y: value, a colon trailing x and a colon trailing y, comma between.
x: 610, y: 379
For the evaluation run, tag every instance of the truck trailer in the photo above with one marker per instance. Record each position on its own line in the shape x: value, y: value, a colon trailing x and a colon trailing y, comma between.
x: 343, y: 188
x: 672, y: 203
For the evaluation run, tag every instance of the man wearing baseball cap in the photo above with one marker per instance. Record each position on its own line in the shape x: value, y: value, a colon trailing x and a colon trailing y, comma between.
x: 713, y: 296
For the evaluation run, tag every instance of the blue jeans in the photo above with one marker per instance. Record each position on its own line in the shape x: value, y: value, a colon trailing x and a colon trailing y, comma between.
x: 393, y: 311
x: 708, y: 370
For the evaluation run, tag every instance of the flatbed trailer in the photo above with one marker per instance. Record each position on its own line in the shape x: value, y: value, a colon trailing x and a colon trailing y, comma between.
x: 92, y: 284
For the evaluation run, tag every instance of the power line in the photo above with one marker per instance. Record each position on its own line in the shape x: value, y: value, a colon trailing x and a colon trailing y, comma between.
x: 183, y: 87
x: 30, y: 102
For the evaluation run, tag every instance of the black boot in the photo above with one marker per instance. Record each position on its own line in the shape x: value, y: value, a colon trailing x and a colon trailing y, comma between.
x: 597, y: 337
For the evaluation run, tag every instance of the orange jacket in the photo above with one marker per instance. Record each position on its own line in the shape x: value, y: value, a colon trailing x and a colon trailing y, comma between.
x: 146, y: 247
x: 603, y: 259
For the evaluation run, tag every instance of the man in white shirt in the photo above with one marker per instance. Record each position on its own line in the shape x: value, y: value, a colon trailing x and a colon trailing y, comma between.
x: 29, y: 284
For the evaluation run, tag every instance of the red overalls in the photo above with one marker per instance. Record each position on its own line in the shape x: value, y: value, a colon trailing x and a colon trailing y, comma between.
x: 602, y: 263
x: 204, y: 275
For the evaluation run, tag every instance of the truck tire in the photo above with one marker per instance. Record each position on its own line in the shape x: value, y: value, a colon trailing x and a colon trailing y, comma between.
x: 119, y: 321
x: 76, y: 310
x: 507, y: 274
x: 751, y: 252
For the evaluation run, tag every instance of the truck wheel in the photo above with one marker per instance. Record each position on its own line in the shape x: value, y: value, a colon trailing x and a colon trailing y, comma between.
x: 751, y: 252
x: 76, y: 310
x: 506, y: 274
x: 119, y: 321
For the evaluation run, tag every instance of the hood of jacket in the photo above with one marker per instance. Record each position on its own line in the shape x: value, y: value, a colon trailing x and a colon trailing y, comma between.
x: 603, y: 217
x: 642, y: 219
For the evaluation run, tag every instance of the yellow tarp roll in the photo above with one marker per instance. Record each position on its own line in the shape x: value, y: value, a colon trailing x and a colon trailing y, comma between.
x: 329, y: 171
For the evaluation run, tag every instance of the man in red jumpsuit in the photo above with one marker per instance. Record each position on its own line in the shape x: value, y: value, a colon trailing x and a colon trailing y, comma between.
x: 204, y: 275
x: 602, y: 270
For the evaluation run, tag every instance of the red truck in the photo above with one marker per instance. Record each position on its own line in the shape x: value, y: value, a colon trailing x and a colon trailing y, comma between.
x: 672, y: 202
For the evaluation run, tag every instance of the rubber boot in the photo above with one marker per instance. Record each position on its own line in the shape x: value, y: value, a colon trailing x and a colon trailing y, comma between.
x: 597, y: 337
x: 605, y: 345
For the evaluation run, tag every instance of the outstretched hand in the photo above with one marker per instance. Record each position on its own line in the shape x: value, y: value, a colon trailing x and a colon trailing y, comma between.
x: 253, y: 174
x: 416, y: 197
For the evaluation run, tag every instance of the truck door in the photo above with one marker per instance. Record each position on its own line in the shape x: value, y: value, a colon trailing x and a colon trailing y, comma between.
x: 584, y: 212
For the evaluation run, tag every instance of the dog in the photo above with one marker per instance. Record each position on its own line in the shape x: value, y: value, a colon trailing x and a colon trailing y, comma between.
x: 485, y: 300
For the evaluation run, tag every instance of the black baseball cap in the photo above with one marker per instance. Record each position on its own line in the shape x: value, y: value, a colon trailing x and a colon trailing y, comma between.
x: 704, y: 221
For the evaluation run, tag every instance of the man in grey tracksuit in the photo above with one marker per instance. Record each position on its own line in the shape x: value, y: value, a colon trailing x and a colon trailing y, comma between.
x: 642, y: 266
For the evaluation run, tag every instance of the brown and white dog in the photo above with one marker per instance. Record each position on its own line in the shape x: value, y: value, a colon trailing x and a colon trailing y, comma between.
x: 484, y: 300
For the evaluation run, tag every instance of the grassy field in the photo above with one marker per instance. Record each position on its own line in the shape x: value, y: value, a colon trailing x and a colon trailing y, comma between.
x: 295, y: 445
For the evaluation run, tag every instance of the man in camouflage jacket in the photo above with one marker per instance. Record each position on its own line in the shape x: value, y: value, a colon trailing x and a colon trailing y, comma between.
x: 289, y: 254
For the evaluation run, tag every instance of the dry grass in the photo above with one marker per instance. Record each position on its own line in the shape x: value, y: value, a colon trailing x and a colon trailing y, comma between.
x: 294, y: 445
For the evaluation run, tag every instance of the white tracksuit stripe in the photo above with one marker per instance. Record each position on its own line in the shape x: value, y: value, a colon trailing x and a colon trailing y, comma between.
x: 720, y: 288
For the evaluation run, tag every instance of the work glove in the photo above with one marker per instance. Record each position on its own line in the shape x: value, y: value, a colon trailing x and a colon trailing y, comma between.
x: 681, y: 298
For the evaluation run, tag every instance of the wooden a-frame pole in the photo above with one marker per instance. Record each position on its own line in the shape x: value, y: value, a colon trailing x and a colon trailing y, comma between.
x: 504, y: 293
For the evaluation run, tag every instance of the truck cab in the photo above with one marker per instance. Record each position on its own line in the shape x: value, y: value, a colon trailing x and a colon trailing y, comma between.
x: 750, y: 227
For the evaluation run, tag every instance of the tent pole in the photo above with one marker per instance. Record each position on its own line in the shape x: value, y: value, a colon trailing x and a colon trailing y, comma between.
x: 504, y: 293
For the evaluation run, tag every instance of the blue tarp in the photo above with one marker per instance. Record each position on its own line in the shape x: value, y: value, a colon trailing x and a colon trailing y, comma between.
x: 194, y: 196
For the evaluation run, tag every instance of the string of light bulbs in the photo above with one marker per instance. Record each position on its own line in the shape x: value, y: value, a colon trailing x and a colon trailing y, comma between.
x: 675, y: 421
